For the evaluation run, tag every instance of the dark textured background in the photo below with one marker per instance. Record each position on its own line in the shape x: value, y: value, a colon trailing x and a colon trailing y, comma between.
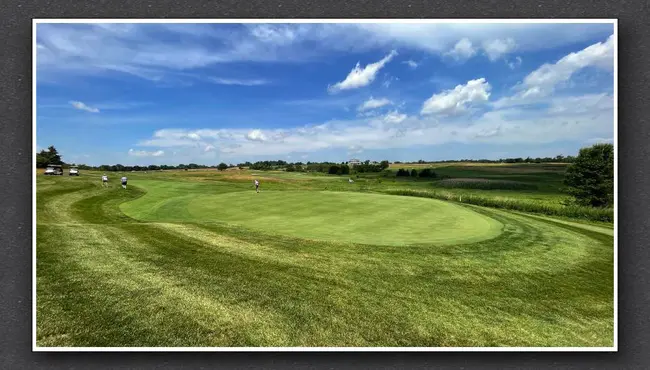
x: 16, y: 177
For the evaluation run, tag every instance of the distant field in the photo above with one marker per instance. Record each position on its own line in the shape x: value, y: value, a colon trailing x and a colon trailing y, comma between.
x: 197, y: 258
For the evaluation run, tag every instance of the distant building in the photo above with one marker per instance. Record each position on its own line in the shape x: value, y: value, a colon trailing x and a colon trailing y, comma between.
x: 354, y: 162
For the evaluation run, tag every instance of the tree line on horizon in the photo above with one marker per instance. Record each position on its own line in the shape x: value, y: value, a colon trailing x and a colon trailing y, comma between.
x: 52, y: 156
x: 589, y: 177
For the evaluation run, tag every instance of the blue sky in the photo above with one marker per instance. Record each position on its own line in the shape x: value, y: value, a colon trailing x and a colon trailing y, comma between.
x: 207, y: 93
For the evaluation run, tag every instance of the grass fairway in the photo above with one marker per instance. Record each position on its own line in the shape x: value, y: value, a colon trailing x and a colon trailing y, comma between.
x: 180, y: 260
x: 329, y: 216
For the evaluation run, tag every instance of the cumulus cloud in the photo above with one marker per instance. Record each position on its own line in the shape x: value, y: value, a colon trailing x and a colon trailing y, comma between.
x: 256, y: 135
x: 142, y: 153
x: 463, y: 50
x: 359, y: 77
x: 457, y: 100
x: 373, y: 103
x: 562, y: 119
x: 495, y: 49
x: 82, y: 106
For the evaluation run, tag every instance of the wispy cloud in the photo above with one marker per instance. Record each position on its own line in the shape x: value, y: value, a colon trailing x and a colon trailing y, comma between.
x: 355, y: 149
x: 543, y: 81
x: 241, y: 82
x: 151, y: 51
x: 411, y: 63
x: 142, y: 153
x: 514, y: 63
x: 495, y: 49
x: 82, y: 106
x: 359, y: 77
x: 373, y: 103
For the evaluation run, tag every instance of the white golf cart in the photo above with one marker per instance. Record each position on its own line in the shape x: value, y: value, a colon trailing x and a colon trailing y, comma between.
x: 53, y: 169
x: 74, y: 171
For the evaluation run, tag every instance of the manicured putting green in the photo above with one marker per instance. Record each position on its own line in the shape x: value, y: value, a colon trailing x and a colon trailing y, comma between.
x: 344, y: 217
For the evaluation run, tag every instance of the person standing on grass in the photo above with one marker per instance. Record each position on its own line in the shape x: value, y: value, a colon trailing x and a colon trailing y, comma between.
x: 123, y: 182
x: 257, y: 186
x: 105, y: 180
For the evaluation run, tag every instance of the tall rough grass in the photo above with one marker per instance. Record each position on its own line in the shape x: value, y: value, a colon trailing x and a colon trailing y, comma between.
x: 586, y: 213
x: 484, y: 184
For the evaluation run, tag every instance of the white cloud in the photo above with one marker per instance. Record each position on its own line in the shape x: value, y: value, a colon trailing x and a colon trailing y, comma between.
x: 394, y: 117
x: 373, y: 103
x: 396, y: 130
x: 456, y: 101
x: 256, y: 135
x: 543, y: 81
x: 81, y: 106
x: 230, y: 81
x: 495, y: 49
x: 583, y: 104
x: 142, y: 153
x: 209, y: 148
x: 411, y: 64
x: 462, y: 51
x: 151, y: 51
x: 360, y: 77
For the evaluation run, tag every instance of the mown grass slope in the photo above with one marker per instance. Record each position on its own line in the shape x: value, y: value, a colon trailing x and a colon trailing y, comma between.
x: 107, y: 279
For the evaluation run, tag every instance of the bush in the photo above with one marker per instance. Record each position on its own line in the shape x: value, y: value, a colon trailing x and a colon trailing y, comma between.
x: 414, y: 173
x: 427, y: 173
x: 403, y: 173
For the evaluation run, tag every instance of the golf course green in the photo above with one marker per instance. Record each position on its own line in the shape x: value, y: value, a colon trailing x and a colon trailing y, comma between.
x: 199, y: 259
x: 329, y: 216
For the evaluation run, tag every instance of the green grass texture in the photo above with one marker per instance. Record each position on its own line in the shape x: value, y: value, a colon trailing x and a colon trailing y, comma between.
x: 322, y: 215
x: 180, y: 260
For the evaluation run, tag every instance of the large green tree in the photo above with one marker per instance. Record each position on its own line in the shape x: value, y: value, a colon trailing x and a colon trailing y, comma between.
x: 590, y: 178
x: 49, y: 156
